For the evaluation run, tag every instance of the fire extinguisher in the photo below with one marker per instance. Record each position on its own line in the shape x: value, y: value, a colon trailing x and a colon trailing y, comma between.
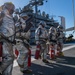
x: 16, y: 53
x: 37, y: 53
x: 29, y: 58
x: 52, y: 52
x: 1, y: 52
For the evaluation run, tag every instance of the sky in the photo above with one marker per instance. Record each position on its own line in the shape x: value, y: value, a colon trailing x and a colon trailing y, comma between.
x: 52, y: 7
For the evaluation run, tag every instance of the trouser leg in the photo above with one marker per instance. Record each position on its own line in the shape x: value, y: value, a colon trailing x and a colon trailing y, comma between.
x: 44, y: 51
x: 55, y: 49
x: 7, y: 66
x: 61, y: 46
x: 23, y: 60
x: 8, y: 59
x: 8, y: 71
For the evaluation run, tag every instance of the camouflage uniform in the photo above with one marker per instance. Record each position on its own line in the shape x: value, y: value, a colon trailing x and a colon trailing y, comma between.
x: 7, y: 29
x: 20, y: 46
x: 40, y: 37
x: 60, y: 38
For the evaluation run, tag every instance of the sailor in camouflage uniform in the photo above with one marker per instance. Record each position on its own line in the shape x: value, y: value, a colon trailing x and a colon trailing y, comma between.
x: 7, y: 29
x: 22, y: 44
